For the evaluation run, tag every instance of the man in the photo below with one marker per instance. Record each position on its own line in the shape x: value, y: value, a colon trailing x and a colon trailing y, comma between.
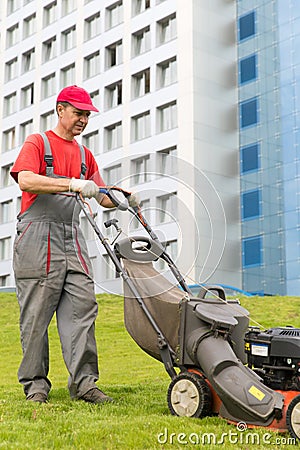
x: 52, y: 269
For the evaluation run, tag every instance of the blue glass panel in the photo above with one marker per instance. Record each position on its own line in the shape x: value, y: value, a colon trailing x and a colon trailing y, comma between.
x: 249, y: 158
x: 248, y: 69
x: 251, y: 204
x: 249, y: 115
x: 247, y: 26
x: 252, y: 251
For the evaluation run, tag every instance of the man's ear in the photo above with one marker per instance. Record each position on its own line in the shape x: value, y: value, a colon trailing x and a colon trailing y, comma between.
x: 60, y: 109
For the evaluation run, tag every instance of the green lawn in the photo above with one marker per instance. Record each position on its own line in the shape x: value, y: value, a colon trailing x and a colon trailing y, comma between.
x: 139, y: 417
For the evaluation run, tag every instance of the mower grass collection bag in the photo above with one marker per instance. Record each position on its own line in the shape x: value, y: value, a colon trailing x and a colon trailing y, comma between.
x: 162, y: 299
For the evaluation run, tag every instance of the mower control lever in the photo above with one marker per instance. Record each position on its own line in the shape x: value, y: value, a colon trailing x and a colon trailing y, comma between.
x: 112, y: 222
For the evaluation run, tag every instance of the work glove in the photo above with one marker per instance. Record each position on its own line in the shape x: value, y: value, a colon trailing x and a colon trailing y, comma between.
x: 87, y: 188
x: 133, y: 200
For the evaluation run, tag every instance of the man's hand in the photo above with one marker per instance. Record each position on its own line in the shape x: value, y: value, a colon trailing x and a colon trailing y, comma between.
x: 87, y: 188
x: 133, y: 200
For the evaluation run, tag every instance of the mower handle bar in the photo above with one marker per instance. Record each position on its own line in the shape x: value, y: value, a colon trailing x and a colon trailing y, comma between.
x: 109, y: 191
x: 136, y: 210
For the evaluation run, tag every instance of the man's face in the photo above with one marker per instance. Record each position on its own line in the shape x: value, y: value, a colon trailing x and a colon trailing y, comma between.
x: 72, y: 119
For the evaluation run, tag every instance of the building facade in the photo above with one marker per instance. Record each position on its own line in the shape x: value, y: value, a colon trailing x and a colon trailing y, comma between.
x: 163, y: 75
x: 269, y: 71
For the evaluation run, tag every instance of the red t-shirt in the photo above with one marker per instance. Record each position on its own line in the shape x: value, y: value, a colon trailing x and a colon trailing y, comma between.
x: 66, y: 161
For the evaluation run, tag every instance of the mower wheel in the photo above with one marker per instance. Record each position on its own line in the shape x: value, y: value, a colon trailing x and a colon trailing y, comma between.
x: 189, y: 395
x: 293, y: 418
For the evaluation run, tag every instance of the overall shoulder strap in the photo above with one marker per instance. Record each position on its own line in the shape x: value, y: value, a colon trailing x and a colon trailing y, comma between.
x: 48, y: 157
x: 83, y: 165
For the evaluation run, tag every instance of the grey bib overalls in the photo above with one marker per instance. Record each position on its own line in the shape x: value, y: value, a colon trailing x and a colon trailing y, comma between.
x: 53, y: 275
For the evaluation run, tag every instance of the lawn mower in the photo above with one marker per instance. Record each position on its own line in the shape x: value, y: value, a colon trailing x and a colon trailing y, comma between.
x: 218, y: 365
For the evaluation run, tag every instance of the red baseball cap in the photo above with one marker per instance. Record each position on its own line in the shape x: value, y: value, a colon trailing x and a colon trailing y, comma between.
x: 77, y: 97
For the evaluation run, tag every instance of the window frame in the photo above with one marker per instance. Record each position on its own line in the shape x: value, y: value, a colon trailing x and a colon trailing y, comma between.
x: 140, y: 83
x: 113, y: 136
x: 136, y: 134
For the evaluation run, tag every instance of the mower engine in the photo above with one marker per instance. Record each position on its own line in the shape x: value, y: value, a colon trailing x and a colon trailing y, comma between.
x: 274, y: 354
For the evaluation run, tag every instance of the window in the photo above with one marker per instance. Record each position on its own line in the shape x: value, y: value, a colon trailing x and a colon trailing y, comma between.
x: 249, y: 112
x: 6, y: 179
x: 91, y: 65
x: 167, y: 161
x: 92, y: 27
x: 91, y: 141
x: 10, y: 104
x: 141, y: 83
x: 140, y: 171
x: 4, y: 280
x: 252, y: 251
x: 167, y: 207
x: 9, y: 139
x: 113, y: 136
x: 248, y: 69
x: 141, y: 41
x: 166, y: 72
x: 68, y: 39
x: 108, y: 214
x: 12, y: 6
x: 86, y: 229
x: 29, y: 26
x: 19, y: 201
x: 109, y: 268
x: 50, y: 12
x: 251, y: 204
x: 166, y: 29
x: 49, y: 49
x: 167, y: 117
x: 48, y: 120
x: 26, y: 129
x: 113, y: 95
x: 28, y: 60
x: 138, y: 6
x: 114, y: 15
x: 12, y: 35
x: 247, y: 26
x: 95, y: 97
x: 112, y: 175
x: 5, y: 245
x: 48, y: 86
x: 68, y: 6
x: 11, y: 69
x: 67, y: 75
x: 6, y: 214
x: 146, y: 210
x: 249, y: 158
x: 171, y: 247
x: 114, y: 54
x: 27, y: 96
x: 140, y: 126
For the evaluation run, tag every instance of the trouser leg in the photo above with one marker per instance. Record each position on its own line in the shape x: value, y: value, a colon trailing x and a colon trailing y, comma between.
x: 37, y: 307
x: 76, y: 315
